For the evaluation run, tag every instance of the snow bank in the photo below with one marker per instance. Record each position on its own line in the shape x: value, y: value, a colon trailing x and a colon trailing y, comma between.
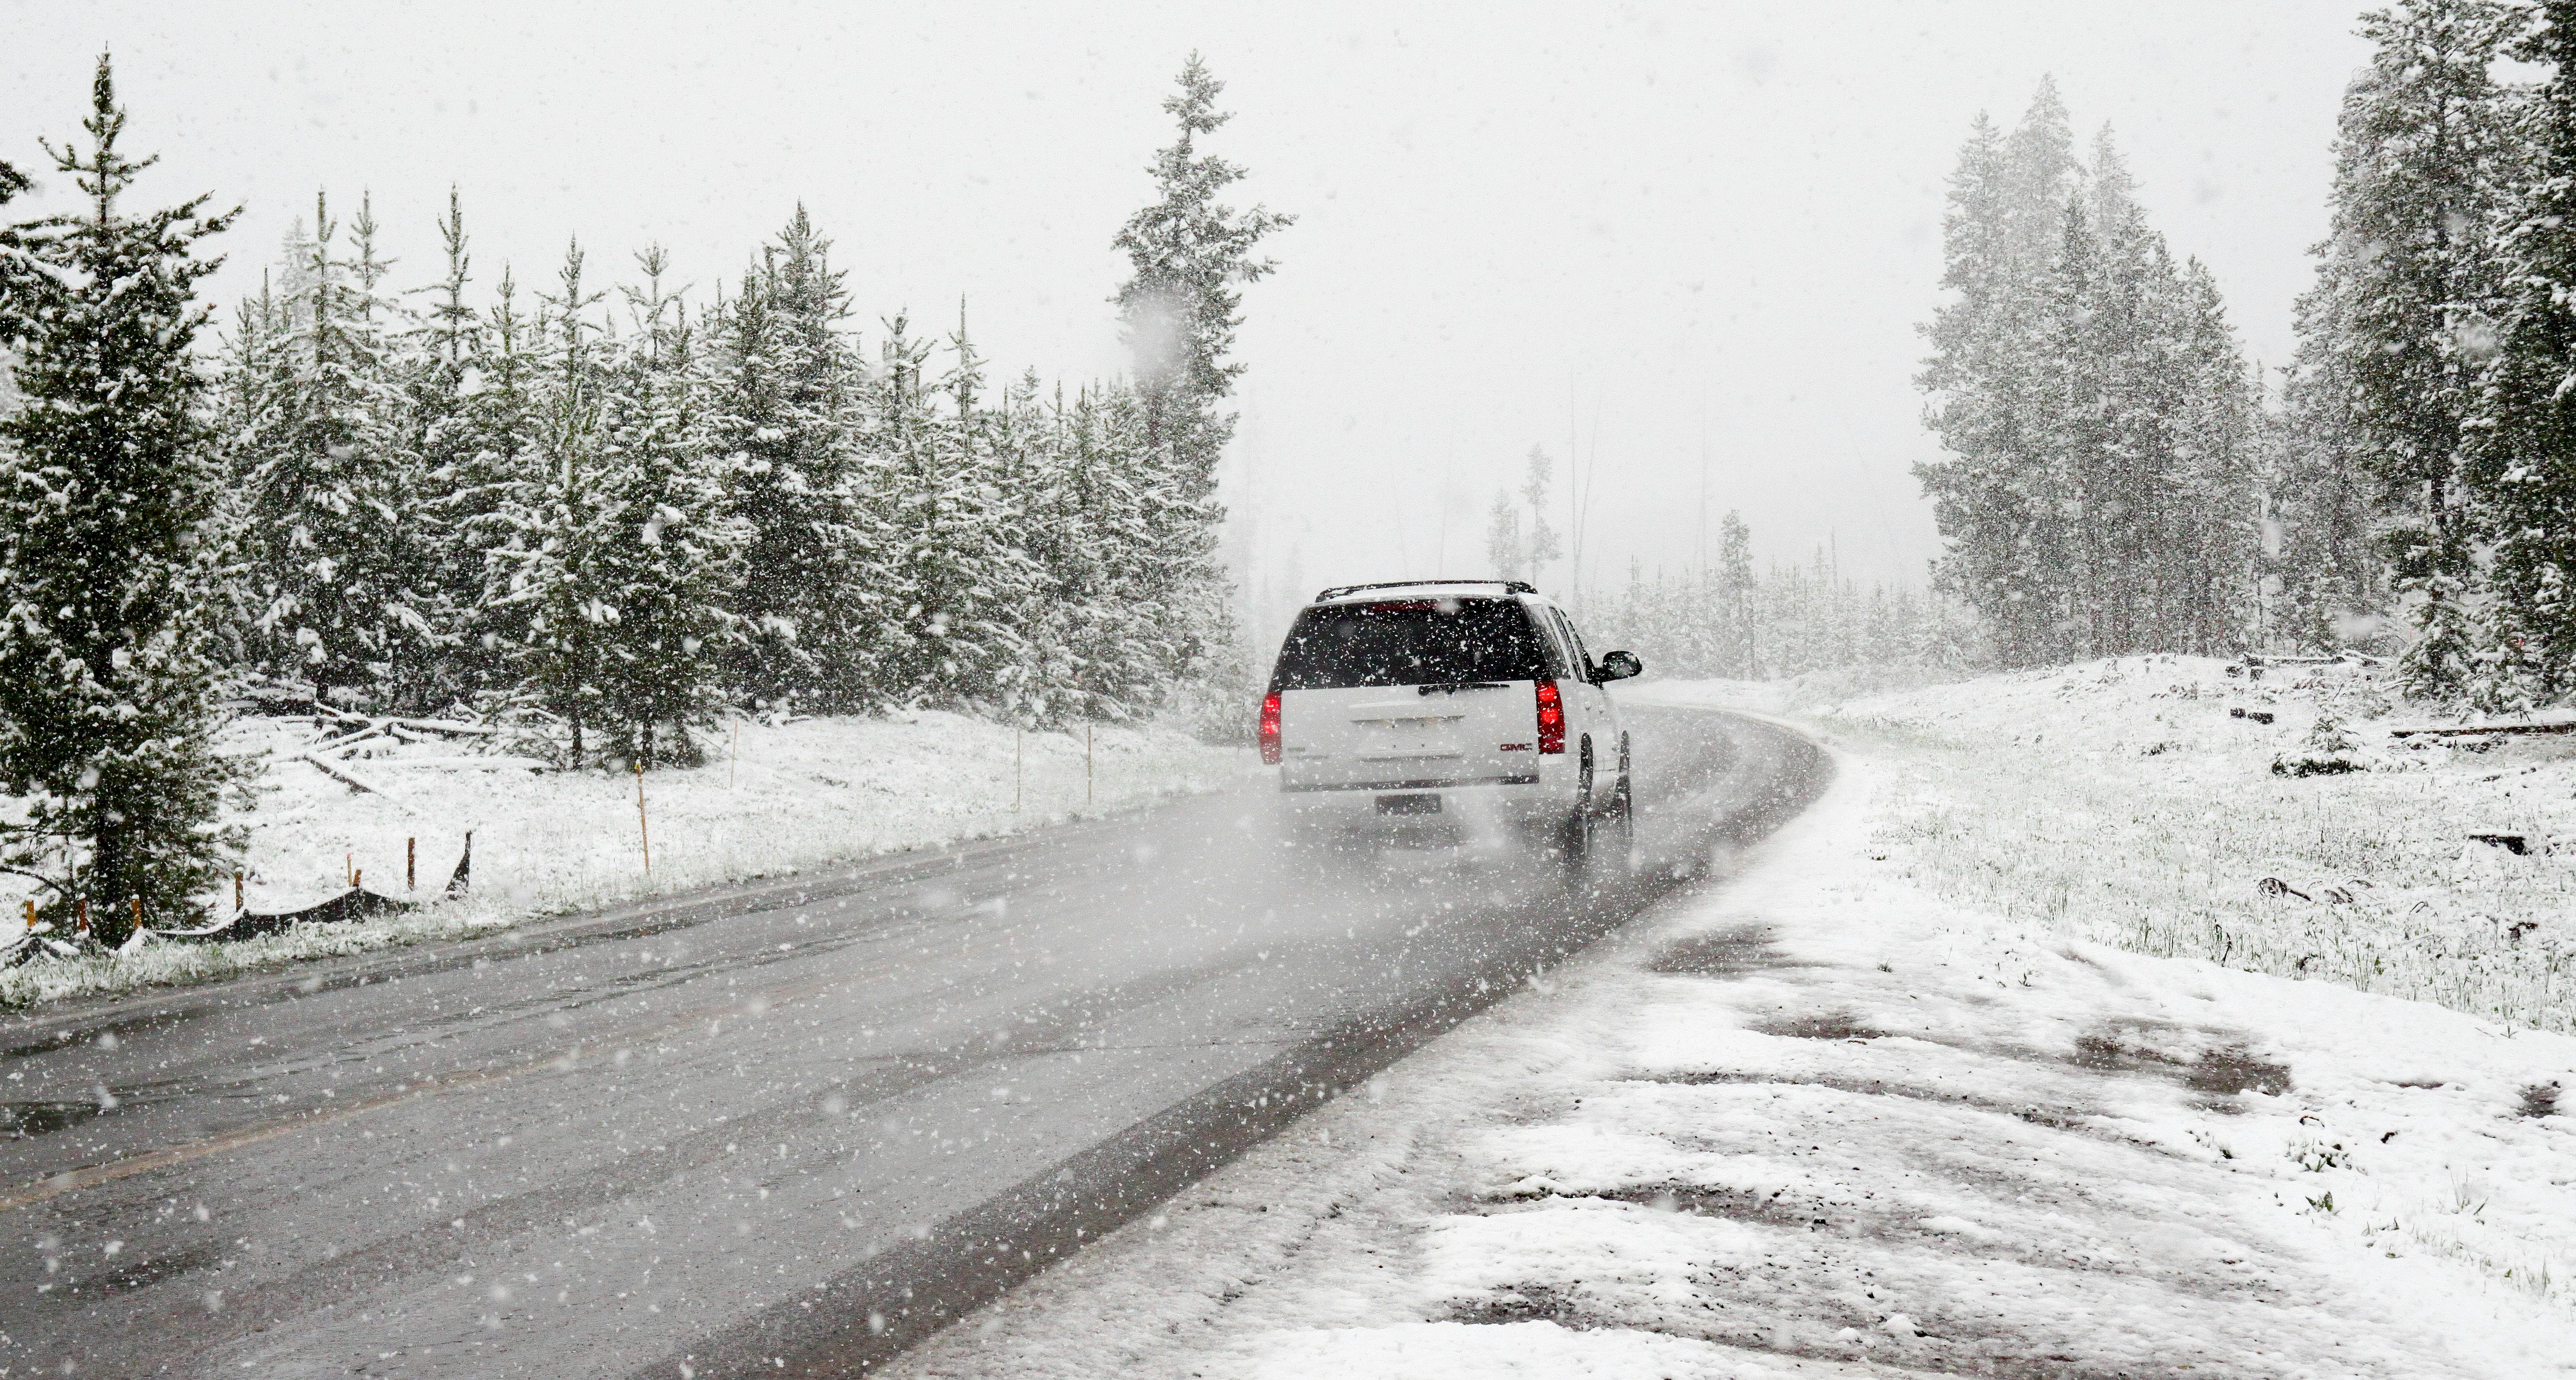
x: 774, y: 799
x: 1819, y: 1120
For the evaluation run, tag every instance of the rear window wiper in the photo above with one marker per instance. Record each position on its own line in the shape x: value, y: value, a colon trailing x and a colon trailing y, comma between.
x: 1452, y: 687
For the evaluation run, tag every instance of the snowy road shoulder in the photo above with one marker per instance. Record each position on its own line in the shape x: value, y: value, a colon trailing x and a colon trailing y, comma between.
x: 1815, y: 1121
x: 774, y: 800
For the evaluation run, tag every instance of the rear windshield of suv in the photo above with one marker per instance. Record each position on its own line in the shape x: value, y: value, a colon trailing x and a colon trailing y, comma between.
x: 1410, y: 642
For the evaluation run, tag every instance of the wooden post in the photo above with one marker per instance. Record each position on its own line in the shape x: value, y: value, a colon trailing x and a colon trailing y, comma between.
x: 237, y: 892
x: 348, y: 868
x: 138, y: 914
x: 411, y: 864
x: 31, y: 916
x: 83, y: 926
x: 357, y: 878
x: 643, y: 826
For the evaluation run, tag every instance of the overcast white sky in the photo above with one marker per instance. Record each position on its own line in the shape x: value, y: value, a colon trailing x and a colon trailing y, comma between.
x: 1517, y: 222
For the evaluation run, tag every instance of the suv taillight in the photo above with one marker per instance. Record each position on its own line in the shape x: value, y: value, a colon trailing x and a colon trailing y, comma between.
x: 1551, y: 718
x: 1270, y: 730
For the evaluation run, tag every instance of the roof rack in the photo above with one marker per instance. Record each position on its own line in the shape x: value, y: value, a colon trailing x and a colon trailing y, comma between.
x: 1337, y: 591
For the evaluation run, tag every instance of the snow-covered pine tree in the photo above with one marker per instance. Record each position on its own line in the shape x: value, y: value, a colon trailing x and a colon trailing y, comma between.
x: 1506, y: 546
x: 108, y: 700
x: 2060, y: 563
x: 1992, y: 493
x: 786, y: 412
x: 2208, y: 540
x: 1519, y: 541
x: 1732, y: 582
x: 1177, y: 567
x: 958, y: 570
x: 1106, y: 643
x: 496, y: 467
x: 1030, y: 458
x: 1189, y: 253
x: 2523, y: 457
x: 1538, y: 475
x: 461, y: 472
x: 2125, y: 480
x: 247, y: 373
x: 561, y: 523
x: 2426, y: 154
x: 990, y: 577
x: 665, y: 561
x: 334, y: 485
x: 2321, y: 539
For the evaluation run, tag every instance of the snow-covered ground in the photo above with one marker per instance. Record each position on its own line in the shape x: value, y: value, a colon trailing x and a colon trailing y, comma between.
x: 774, y: 799
x: 1821, y: 1120
x: 2127, y: 801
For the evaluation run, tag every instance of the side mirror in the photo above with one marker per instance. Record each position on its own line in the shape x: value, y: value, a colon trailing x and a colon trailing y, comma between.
x: 1619, y: 666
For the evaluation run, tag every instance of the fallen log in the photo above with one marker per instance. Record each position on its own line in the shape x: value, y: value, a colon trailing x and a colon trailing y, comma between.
x: 449, y: 727
x: 344, y: 776
x: 492, y: 762
x: 345, y: 740
x: 2479, y: 730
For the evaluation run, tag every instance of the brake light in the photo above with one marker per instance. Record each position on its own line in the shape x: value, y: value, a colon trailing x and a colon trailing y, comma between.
x: 1551, y: 718
x: 1270, y: 730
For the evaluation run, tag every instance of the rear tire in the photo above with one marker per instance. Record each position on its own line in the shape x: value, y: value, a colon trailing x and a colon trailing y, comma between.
x: 1576, y: 841
x: 1615, y: 842
x: 1597, y: 844
x: 1579, y: 835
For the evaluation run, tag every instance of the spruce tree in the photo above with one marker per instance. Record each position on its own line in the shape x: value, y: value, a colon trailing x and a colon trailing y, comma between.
x: 561, y: 523
x: 1538, y: 474
x: 2208, y: 541
x: 108, y: 700
x: 1506, y: 545
x: 968, y: 575
x: 2524, y: 461
x: 1189, y: 253
x: 2426, y: 152
x: 2321, y: 534
x: 442, y: 377
x: 1739, y: 654
x: 666, y: 557
x: 1107, y: 642
x: 1995, y: 494
x: 786, y: 412
x: 335, y: 483
x: 493, y: 466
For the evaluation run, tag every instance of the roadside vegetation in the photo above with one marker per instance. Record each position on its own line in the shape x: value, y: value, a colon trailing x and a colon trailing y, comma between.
x: 583, y: 504
x: 2142, y: 802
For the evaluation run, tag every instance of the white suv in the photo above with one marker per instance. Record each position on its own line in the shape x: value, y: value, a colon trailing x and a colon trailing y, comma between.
x: 1451, y: 710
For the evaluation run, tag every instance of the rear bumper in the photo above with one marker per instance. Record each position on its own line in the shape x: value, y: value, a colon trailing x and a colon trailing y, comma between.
x: 1427, y: 784
x: 1468, y: 808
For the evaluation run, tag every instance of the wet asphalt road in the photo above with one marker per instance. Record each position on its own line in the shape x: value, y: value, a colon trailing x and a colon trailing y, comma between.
x: 783, y: 1129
